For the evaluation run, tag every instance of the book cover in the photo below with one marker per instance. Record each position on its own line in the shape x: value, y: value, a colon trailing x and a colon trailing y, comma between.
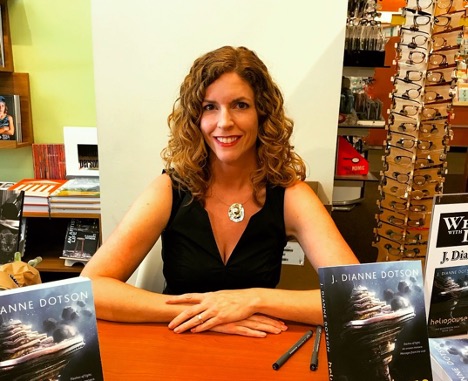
x: 446, y: 278
x: 48, y: 331
x: 375, y: 322
x: 79, y: 187
x: 449, y: 357
x: 49, y: 161
x: 37, y: 190
x: 10, y: 116
x: 11, y: 212
x: 448, y: 310
x: 81, y: 239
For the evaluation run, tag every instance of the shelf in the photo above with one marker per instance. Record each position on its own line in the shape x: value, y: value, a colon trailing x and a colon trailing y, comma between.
x: 364, y: 58
x: 45, y: 237
x: 368, y: 177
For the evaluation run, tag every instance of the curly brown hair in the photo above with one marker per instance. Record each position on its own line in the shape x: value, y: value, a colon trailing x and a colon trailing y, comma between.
x: 186, y: 154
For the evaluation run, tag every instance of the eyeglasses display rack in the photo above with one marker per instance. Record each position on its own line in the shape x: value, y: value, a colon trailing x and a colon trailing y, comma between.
x: 418, y: 129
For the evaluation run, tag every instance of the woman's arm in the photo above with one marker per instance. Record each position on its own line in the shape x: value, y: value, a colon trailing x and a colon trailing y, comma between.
x: 308, y: 221
x: 119, y: 256
x: 11, y: 130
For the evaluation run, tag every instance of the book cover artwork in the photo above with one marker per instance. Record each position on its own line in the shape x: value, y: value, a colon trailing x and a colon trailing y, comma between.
x: 48, y: 332
x: 11, y: 210
x: 449, y: 358
x: 446, y: 282
x: 81, y: 239
x: 448, y: 312
x: 10, y: 117
x: 375, y: 322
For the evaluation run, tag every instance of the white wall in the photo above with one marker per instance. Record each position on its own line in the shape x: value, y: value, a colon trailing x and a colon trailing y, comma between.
x: 144, y: 48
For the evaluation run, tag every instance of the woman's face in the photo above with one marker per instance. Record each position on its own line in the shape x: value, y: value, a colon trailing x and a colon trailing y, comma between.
x: 2, y: 107
x: 229, y: 122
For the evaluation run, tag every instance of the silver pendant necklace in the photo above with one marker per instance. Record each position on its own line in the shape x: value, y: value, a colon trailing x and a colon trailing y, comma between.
x: 236, y: 211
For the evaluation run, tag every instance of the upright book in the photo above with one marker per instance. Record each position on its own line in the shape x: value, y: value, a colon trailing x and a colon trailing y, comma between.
x: 11, y: 211
x: 375, y: 322
x: 48, y: 332
x: 81, y: 240
x: 446, y: 276
x: 10, y: 117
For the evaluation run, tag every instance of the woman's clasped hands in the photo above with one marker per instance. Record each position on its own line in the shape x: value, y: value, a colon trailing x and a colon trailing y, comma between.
x: 226, y: 311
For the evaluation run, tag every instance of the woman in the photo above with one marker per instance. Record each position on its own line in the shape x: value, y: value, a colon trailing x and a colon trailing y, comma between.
x: 231, y: 196
x: 7, y: 127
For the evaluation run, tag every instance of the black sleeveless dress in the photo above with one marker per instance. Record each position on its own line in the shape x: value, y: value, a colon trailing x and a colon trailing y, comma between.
x: 192, y: 262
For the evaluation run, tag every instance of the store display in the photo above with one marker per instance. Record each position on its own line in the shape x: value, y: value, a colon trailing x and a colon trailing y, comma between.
x: 419, y: 131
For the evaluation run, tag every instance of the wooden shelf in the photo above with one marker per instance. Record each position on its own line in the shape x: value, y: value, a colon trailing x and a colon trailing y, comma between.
x: 45, y: 237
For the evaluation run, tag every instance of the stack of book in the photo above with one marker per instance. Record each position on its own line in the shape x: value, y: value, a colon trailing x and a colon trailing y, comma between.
x: 78, y: 195
x: 36, y: 193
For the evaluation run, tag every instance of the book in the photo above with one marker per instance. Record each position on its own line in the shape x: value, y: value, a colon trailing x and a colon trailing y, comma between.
x: 81, y: 240
x: 48, y: 161
x: 83, y: 187
x: 37, y: 191
x: 375, y: 321
x: 13, y: 111
x: 446, y: 273
x: 11, y: 212
x: 449, y: 358
x: 57, y: 325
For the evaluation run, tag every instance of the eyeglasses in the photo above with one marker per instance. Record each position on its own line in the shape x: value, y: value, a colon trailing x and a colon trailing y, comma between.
x: 447, y: 40
x: 399, y: 234
x: 410, y: 76
x: 410, y: 57
x: 438, y: 59
x: 407, y: 90
x: 433, y: 130
x: 444, y: 76
x: 430, y: 158
x: 417, y: 21
x: 395, y: 251
x: 449, y: 6
x: 448, y: 21
x: 438, y: 93
x: 413, y: 41
x: 436, y: 111
x: 406, y: 107
x: 407, y: 142
x: 418, y: 5
x: 388, y: 201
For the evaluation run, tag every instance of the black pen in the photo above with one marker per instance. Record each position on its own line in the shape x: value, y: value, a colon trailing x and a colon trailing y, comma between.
x: 278, y: 363
x: 314, y: 359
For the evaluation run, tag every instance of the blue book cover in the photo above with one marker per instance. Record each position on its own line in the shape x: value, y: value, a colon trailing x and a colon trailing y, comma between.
x: 48, y: 332
x: 449, y: 357
x: 375, y: 322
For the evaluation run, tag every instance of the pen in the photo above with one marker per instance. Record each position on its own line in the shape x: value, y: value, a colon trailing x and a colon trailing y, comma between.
x: 278, y: 363
x: 314, y: 359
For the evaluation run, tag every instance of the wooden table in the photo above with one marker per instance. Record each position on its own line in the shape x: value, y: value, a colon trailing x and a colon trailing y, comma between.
x: 153, y: 352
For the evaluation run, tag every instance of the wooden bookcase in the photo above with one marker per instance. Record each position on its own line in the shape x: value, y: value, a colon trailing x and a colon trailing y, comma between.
x: 15, y: 83
x: 45, y: 237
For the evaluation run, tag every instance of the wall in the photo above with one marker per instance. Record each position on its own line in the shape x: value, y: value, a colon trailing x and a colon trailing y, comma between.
x: 51, y: 41
x: 143, y: 49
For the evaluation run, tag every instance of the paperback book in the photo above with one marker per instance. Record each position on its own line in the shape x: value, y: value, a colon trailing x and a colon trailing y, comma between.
x: 56, y: 322
x: 11, y: 211
x: 375, y: 322
x: 37, y: 191
x: 446, y: 277
x: 81, y: 240
x: 82, y: 187
x: 449, y: 356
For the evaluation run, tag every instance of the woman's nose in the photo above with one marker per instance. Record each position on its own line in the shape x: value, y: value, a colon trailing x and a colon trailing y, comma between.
x: 225, y: 118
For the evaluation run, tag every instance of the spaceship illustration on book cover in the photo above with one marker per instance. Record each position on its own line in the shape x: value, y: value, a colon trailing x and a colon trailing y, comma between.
x: 48, y: 332
x: 375, y: 322
x: 448, y: 310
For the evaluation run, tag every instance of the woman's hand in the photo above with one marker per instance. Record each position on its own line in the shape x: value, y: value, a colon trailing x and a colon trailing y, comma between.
x: 212, y: 309
x: 254, y: 326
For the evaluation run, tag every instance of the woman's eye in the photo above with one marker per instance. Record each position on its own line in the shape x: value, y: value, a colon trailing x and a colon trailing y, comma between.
x: 242, y: 105
x: 208, y: 107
